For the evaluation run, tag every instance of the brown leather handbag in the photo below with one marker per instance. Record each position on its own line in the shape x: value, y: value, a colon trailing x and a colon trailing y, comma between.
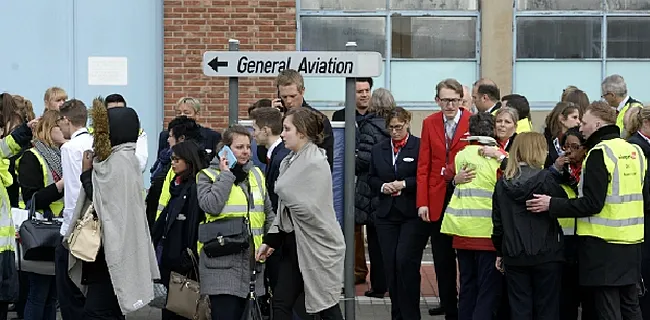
x: 184, y: 295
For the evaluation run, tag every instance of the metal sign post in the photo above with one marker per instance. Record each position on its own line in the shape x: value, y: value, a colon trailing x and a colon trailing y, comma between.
x: 349, y: 186
x: 233, y: 89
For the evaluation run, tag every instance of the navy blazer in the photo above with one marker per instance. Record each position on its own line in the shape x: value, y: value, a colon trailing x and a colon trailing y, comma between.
x: 382, y: 171
x: 273, y: 171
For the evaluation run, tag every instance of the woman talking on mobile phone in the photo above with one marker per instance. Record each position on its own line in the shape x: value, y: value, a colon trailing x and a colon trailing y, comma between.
x: 232, y: 193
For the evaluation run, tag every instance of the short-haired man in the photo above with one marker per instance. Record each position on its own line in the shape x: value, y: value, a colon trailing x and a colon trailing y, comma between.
x: 614, y: 91
x: 609, y: 211
x: 486, y: 96
x: 363, y: 88
x: 519, y: 103
x: 116, y: 100
x: 291, y: 89
x: 442, y: 130
x: 74, y: 116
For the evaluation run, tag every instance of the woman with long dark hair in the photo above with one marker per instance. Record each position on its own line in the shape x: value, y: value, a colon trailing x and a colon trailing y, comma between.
x: 176, y: 230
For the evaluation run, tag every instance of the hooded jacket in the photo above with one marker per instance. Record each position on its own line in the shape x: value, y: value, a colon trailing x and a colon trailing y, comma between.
x: 372, y: 130
x: 521, y: 237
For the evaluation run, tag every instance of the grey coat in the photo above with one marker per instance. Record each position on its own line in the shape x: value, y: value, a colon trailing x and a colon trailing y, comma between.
x: 228, y: 274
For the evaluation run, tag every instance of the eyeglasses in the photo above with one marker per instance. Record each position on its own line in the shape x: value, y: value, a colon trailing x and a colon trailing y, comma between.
x: 175, y: 158
x: 454, y: 101
x: 572, y: 146
x: 398, y: 127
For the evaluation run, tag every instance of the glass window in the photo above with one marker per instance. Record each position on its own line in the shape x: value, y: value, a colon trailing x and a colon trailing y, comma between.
x: 628, y: 4
x: 434, y: 37
x: 559, y: 37
x: 433, y: 4
x: 627, y: 37
x: 331, y: 33
x: 370, y: 5
x: 541, y: 5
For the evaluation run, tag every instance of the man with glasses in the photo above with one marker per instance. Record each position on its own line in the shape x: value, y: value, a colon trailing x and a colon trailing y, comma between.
x: 614, y: 91
x: 442, y: 130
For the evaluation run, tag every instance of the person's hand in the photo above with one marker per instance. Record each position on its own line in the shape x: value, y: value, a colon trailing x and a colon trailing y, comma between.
x: 540, y: 203
x: 491, y: 152
x: 388, y: 188
x: 499, y: 264
x: 223, y: 162
x: 263, y: 252
x: 277, y: 103
x: 87, y: 161
x: 59, y: 185
x: 423, y: 212
x: 465, y: 175
x: 397, y: 185
x: 33, y: 123
x: 560, y: 162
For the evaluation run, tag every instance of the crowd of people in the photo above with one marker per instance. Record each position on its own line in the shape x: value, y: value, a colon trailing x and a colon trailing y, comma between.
x: 534, y: 225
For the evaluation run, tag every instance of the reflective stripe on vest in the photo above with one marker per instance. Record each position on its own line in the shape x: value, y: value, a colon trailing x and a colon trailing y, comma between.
x: 163, y: 200
x: 469, y: 213
x: 620, y: 118
x: 568, y: 224
x: 621, y: 219
x: 48, y: 179
x: 8, y: 147
x: 238, y: 206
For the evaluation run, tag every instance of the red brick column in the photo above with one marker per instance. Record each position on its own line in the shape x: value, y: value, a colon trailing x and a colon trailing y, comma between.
x: 195, y: 26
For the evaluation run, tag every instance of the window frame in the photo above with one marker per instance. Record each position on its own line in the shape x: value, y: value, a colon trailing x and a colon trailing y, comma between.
x: 387, y: 14
x: 604, y: 13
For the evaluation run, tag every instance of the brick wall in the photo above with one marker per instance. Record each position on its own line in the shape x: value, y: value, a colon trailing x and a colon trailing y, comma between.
x: 195, y: 26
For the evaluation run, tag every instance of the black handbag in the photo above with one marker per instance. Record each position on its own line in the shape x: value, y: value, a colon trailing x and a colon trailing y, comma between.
x: 39, y: 238
x: 231, y: 237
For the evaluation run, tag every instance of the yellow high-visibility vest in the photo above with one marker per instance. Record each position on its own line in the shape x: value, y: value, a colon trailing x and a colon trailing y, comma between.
x: 163, y: 200
x: 568, y: 224
x: 524, y: 125
x: 469, y: 213
x: 48, y: 179
x: 8, y: 148
x: 621, y: 219
x: 620, y: 119
x: 237, y: 205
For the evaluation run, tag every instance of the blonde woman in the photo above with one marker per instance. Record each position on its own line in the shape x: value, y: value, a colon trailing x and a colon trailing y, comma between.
x: 505, y: 126
x: 529, y: 245
x: 54, y: 98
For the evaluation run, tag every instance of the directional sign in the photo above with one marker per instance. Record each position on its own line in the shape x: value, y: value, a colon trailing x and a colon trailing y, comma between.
x: 308, y: 63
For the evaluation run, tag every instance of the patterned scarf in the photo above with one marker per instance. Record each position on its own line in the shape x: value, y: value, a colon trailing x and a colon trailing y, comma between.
x: 52, y: 158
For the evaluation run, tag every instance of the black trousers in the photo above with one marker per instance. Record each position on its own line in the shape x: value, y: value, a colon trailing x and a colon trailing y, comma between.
x: 480, y: 285
x: 101, y: 302
x: 444, y: 262
x: 534, y: 291
x: 617, y: 303
x: 573, y: 296
x: 377, y: 270
x: 227, y: 307
x: 291, y: 282
x: 402, y: 244
x: 71, y: 300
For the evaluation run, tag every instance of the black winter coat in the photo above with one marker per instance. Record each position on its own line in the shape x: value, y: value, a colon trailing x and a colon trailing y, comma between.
x: 521, y: 237
x: 372, y: 130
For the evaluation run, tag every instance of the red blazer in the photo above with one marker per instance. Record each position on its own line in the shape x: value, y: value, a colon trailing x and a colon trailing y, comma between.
x: 435, y: 166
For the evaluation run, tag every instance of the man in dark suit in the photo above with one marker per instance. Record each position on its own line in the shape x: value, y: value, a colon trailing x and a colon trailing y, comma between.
x: 363, y: 89
x: 291, y: 90
x: 442, y: 130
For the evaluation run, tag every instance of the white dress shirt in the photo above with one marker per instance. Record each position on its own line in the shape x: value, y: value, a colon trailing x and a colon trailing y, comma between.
x: 623, y: 103
x: 71, y: 162
x: 270, y: 151
x: 141, y: 151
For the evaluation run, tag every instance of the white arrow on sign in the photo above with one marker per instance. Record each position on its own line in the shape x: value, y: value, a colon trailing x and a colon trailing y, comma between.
x: 308, y: 63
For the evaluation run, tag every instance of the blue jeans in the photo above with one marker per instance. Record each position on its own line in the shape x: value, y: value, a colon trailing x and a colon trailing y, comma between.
x: 41, y: 299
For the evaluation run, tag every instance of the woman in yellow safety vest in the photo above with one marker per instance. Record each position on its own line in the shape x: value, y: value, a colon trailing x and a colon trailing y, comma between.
x: 232, y: 193
x: 15, y: 135
x: 41, y: 182
x: 468, y: 218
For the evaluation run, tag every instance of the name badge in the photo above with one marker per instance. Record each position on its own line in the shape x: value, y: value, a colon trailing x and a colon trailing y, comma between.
x: 408, y: 159
x: 442, y: 171
x: 181, y: 217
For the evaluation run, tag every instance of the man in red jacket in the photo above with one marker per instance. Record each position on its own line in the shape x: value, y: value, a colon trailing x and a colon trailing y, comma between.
x: 441, y: 140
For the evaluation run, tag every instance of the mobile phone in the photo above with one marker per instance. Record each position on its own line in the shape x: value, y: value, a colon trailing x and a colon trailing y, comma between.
x: 227, y: 152
x: 284, y: 108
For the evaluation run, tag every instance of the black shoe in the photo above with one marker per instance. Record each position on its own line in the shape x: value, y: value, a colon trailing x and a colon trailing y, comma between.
x: 375, y: 294
x: 437, y: 311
